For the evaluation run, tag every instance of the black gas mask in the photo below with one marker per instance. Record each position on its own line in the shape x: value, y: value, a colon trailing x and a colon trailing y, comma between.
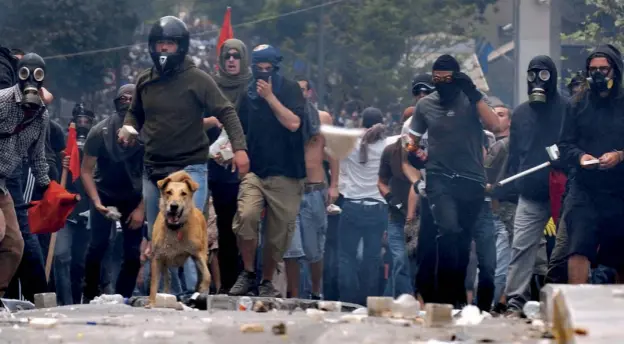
x: 31, y: 73
x: 538, y: 80
x: 598, y: 80
x: 83, y: 119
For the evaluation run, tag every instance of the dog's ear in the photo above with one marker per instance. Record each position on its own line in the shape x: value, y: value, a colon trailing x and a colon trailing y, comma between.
x: 192, y: 185
x: 163, y: 183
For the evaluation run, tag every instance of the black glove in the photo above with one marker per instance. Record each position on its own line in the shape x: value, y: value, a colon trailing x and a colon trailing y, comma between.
x: 468, y: 87
x: 393, y: 202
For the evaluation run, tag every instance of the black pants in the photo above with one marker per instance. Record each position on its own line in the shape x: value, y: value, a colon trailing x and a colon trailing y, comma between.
x: 455, y: 204
x: 224, y: 201
x: 101, y: 229
x: 31, y: 271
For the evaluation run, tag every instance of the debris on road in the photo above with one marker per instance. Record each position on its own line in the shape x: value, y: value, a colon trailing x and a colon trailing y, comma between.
x: 279, y: 329
x: 251, y: 328
x: 45, y: 300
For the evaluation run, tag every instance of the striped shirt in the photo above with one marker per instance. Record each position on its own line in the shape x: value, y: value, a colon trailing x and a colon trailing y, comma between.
x: 27, y: 143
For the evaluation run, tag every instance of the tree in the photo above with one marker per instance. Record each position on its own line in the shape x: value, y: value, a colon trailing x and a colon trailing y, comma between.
x: 54, y: 28
x: 603, y: 24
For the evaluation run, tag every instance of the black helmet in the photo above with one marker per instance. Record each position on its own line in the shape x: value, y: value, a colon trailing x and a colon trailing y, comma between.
x: 172, y: 29
x: 80, y: 110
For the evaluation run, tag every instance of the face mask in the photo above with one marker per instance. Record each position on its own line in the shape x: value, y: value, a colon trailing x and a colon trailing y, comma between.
x: 121, y: 107
x: 599, y: 83
x: 262, y: 75
x: 83, y: 126
x: 31, y: 72
x: 538, y: 85
x: 448, y: 91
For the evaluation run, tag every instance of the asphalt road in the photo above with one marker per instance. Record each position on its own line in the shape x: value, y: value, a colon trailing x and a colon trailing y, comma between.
x: 139, y: 325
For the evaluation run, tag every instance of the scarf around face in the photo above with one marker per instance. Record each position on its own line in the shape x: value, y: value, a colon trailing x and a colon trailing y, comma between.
x: 234, y: 86
x: 265, y: 53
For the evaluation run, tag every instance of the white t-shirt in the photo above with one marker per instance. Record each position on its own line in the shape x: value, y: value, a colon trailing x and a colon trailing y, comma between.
x: 359, y: 181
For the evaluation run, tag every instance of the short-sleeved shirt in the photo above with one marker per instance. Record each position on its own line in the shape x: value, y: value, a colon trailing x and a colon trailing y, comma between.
x: 455, y: 136
x: 112, y: 178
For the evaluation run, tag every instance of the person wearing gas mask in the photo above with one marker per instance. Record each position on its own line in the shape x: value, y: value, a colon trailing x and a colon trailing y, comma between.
x: 72, y: 241
x: 535, y: 126
x: 170, y: 103
x: 454, y: 117
x: 23, y: 122
x: 592, y: 143
x: 274, y: 107
x: 112, y: 177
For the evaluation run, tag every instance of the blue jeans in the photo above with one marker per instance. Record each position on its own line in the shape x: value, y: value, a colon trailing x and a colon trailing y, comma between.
x: 485, y: 240
x: 367, y: 223
x: 151, y: 196
x: 69, y: 262
x: 503, y: 258
x: 400, y: 280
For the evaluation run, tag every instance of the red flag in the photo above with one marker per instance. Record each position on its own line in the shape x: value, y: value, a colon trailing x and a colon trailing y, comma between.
x: 226, y: 31
x: 50, y: 213
x: 71, y: 149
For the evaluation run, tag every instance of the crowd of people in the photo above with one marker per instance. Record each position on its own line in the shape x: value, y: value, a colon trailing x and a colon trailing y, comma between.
x: 426, y: 212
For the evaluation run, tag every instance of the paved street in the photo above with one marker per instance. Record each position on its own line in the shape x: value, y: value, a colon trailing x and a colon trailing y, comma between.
x: 138, y: 325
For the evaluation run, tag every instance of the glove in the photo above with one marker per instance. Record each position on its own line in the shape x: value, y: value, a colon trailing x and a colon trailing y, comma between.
x: 393, y: 202
x: 550, y: 229
x: 419, y: 187
x: 468, y: 87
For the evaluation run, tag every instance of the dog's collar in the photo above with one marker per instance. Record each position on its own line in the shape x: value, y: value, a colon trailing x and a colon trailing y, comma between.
x: 174, y: 227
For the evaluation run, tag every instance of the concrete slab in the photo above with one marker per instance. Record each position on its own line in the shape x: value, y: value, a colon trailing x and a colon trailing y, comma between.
x: 585, y: 313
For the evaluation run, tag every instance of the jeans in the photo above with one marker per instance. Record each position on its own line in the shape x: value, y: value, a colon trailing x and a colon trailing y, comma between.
x: 151, y: 197
x: 503, y: 258
x: 69, y: 262
x: 224, y: 196
x: 484, y: 237
x: 400, y: 280
x: 101, y: 228
x: 360, y: 221
x: 30, y: 274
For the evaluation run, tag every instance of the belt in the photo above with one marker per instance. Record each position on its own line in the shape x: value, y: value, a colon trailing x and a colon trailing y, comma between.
x: 311, y: 187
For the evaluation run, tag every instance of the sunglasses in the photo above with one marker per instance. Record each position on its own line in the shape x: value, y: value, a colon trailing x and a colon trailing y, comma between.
x: 602, y: 69
x: 236, y: 56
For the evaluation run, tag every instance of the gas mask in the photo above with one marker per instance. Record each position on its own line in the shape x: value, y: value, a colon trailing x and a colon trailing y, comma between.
x: 599, y: 83
x: 83, y: 126
x: 31, y: 73
x: 538, y: 84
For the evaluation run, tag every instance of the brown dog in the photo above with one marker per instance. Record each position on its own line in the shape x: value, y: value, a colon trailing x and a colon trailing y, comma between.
x: 179, y: 233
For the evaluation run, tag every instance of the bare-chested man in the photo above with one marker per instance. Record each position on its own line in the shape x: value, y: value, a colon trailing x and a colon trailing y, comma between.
x: 309, y: 238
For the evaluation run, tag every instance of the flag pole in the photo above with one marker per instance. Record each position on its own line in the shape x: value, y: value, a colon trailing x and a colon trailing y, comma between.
x: 50, y: 258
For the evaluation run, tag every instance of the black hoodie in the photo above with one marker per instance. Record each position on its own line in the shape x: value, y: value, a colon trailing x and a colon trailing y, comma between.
x: 595, y: 126
x: 8, y: 64
x: 533, y: 128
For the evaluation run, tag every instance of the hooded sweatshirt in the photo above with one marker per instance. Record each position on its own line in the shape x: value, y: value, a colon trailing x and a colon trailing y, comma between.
x: 595, y: 126
x: 170, y: 111
x: 533, y: 128
x: 8, y: 76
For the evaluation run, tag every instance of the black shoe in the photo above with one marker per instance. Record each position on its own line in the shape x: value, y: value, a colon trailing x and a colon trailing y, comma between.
x: 245, y: 284
x: 498, y: 309
x: 266, y: 289
x: 315, y: 297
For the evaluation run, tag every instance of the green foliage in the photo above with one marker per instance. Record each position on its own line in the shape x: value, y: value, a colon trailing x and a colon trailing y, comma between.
x: 602, y: 25
x: 57, y: 27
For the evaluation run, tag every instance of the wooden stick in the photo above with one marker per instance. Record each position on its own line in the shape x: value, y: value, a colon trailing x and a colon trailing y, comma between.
x: 50, y: 258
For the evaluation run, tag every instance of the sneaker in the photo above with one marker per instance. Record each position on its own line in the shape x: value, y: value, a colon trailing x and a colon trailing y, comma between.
x: 498, y: 309
x: 266, y: 289
x: 315, y: 297
x: 245, y: 284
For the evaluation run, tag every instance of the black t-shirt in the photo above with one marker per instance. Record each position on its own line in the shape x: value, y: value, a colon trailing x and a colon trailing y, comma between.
x: 112, y: 179
x: 391, y: 173
x: 455, y: 136
x: 273, y: 149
